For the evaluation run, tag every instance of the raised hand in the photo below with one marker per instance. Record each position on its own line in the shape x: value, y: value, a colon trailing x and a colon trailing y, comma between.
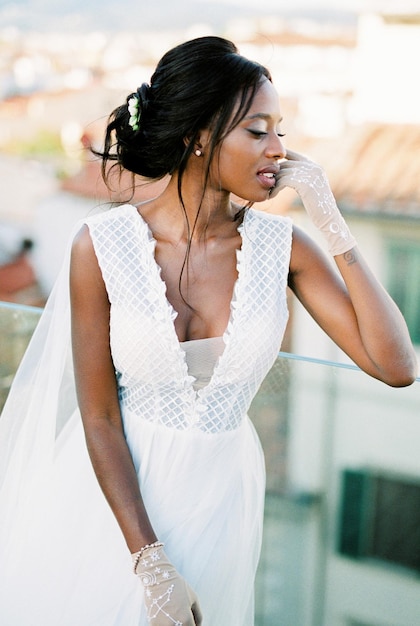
x: 309, y: 180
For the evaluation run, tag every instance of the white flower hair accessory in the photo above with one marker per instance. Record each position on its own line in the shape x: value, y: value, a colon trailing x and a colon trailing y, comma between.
x: 134, y: 111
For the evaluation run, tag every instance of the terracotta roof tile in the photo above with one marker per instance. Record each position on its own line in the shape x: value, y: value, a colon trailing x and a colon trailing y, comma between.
x: 377, y: 168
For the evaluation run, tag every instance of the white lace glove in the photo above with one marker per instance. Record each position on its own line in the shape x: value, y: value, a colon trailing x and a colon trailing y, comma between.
x: 168, y: 598
x: 309, y: 180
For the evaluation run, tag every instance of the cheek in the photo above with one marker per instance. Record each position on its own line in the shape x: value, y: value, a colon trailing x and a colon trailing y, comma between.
x: 224, y: 167
x: 233, y: 172
x: 236, y: 158
x: 235, y: 165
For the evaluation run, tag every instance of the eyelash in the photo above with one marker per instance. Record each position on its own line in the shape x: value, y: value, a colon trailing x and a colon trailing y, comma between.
x: 260, y: 133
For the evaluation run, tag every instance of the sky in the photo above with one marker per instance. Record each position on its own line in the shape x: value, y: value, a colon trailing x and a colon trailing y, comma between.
x: 346, y: 5
x: 82, y: 15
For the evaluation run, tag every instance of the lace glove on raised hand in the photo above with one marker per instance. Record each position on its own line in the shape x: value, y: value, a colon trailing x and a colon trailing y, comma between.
x: 309, y: 180
x: 168, y: 598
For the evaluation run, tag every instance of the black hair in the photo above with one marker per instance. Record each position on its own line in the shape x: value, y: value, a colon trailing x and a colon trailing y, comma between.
x: 200, y: 84
x: 196, y: 85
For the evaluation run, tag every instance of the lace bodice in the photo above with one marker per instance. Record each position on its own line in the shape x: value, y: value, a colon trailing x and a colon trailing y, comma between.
x: 150, y: 364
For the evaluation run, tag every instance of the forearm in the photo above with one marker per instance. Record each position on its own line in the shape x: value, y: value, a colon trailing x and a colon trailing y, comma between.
x: 97, y: 395
x: 381, y: 326
x: 114, y: 468
x: 362, y: 319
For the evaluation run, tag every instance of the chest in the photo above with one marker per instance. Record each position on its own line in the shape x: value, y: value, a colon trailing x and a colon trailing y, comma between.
x: 237, y: 290
x: 199, y: 281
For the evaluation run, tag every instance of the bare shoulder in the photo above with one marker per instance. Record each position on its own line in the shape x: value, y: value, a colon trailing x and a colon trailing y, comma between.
x: 85, y: 272
x: 82, y: 245
x: 82, y: 252
x: 305, y: 252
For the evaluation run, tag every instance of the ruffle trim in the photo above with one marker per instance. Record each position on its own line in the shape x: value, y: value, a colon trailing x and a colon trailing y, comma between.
x: 185, y: 380
x: 228, y: 362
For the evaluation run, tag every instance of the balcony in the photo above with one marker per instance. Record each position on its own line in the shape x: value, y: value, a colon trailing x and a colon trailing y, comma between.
x: 342, y: 530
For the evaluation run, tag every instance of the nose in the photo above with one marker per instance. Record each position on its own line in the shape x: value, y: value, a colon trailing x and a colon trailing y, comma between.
x: 276, y: 149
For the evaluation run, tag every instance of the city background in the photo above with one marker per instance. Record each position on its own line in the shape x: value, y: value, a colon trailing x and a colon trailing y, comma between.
x: 346, y: 73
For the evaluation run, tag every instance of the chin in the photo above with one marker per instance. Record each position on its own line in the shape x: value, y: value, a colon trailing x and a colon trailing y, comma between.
x: 262, y: 197
x: 252, y: 198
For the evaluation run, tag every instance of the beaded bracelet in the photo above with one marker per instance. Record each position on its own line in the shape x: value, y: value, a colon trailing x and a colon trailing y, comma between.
x: 137, y: 555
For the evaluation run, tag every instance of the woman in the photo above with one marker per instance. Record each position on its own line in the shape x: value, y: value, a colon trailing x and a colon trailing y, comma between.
x: 178, y: 307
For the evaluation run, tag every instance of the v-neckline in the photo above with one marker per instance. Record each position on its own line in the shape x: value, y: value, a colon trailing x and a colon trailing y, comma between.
x: 172, y: 313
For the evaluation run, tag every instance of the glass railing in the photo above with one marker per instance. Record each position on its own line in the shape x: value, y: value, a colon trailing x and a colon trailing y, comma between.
x: 341, y: 545
x: 17, y: 323
x: 342, y: 533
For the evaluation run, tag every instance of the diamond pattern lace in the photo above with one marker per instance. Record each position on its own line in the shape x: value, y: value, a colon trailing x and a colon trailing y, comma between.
x: 151, y: 367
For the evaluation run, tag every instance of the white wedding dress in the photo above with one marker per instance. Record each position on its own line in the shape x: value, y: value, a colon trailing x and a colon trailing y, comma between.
x: 63, y: 560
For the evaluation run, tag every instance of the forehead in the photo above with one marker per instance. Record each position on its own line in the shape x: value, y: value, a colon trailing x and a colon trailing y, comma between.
x: 265, y: 102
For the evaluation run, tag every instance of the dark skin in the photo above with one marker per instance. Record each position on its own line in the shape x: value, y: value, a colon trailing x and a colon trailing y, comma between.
x: 341, y: 302
x: 312, y: 280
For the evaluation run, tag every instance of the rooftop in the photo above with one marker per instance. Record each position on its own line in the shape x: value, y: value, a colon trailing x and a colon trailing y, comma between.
x: 375, y: 168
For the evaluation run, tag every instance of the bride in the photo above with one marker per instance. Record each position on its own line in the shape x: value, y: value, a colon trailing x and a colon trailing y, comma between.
x: 125, y: 443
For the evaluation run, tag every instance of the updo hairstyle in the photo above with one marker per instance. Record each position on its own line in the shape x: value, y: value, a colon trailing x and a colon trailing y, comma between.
x: 196, y: 85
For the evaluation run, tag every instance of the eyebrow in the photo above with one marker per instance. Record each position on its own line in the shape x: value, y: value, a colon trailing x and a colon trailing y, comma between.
x: 261, y: 116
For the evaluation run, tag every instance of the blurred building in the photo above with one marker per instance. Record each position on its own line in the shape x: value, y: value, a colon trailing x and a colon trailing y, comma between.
x: 351, y: 103
x: 18, y: 281
x: 374, y: 169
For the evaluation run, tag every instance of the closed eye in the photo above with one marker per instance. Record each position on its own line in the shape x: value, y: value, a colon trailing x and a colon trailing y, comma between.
x: 261, y: 133
x: 257, y: 133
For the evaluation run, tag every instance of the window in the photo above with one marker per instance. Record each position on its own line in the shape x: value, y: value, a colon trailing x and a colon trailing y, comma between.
x: 380, y: 518
x: 404, y: 283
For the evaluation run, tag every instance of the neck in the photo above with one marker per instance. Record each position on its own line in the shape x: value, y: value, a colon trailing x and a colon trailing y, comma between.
x: 210, y: 212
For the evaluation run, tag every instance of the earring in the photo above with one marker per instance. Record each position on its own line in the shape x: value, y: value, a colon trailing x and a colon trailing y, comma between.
x: 198, y: 153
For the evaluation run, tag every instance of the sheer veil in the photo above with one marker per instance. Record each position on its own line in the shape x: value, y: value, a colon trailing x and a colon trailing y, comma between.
x: 53, y: 514
x: 63, y: 557
x: 41, y: 401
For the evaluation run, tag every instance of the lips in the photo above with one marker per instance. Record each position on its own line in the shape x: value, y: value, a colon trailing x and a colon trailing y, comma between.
x: 268, y: 176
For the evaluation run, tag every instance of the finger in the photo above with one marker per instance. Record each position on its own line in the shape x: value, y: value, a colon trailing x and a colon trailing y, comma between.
x: 290, y: 165
x: 198, y: 616
x: 295, y: 156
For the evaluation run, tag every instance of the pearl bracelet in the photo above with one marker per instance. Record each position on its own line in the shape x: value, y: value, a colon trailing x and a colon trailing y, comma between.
x: 137, y: 555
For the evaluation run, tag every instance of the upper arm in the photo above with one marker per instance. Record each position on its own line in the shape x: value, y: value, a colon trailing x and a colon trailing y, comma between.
x: 90, y: 310
x: 319, y: 287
